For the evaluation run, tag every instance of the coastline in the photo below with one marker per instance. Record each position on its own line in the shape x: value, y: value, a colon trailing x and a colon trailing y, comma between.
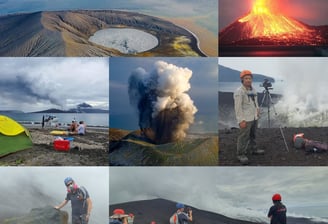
x: 208, y: 45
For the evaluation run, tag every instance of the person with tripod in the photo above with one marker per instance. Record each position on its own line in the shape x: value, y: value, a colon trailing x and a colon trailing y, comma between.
x: 247, y: 113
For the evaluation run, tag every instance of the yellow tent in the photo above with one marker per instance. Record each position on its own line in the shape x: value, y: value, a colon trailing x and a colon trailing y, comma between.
x: 13, y: 136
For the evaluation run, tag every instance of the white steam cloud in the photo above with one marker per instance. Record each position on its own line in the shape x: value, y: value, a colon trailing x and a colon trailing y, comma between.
x: 165, y: 109
x: 305, y: 96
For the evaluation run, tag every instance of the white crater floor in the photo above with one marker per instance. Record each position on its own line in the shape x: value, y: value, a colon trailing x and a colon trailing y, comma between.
x: 125, y: 40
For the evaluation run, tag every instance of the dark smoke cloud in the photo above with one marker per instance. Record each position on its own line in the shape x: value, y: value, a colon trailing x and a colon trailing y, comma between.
x: 34, y: 89
x: 34, y: 84
x: 165, y: 109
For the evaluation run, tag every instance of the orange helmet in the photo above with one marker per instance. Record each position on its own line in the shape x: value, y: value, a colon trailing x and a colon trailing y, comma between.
x: 244, y: 73
x: 276, y: 197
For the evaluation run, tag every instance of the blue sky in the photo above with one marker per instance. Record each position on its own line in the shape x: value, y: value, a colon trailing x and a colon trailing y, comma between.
x: 204, y: 83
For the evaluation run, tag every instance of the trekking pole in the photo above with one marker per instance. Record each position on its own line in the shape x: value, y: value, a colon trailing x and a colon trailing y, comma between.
x: 283, y: 136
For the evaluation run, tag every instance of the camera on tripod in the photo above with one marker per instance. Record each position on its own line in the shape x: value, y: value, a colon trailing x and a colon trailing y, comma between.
x: 266, y: 84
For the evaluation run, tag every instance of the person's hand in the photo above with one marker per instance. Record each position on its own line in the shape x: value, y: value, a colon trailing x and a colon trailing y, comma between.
x: 87, y: 217
x: 243, y: 124
x: 57, y: 207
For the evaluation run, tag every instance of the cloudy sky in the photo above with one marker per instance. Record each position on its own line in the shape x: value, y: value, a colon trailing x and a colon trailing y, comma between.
x: 203, y: 91
x: 234, y: 191
x: 311, y: 12
x: 25, y: 188
x: 169, y: 7
x: 32, y: 84
x: 302, y: 81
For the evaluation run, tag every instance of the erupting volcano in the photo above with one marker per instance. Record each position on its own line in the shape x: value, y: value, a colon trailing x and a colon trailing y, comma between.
x: 265, y: 26
x: 165, y: 109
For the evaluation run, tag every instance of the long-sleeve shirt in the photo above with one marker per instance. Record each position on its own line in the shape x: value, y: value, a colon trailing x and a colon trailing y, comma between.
x: 246, y: 104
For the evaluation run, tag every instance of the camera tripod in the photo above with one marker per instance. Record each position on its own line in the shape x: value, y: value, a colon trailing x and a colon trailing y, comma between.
x: 268, y: 100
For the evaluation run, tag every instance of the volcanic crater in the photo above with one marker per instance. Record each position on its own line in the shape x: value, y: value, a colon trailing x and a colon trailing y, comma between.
x: 67, y: 33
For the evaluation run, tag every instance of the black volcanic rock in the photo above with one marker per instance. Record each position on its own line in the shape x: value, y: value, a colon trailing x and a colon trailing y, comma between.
x: 160, y: 210
x: 44, y: 215
x: 66, y: 33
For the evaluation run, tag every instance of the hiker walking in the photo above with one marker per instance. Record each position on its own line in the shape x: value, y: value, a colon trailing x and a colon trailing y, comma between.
x: 80, y: 202
x: 181, y: 217
x: 277, y: 212
x: 247, y: 113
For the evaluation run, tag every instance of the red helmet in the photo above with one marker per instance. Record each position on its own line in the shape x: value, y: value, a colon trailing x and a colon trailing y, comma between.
x: 244, y: 73
x: 276, y: 197
x: 118, y: 211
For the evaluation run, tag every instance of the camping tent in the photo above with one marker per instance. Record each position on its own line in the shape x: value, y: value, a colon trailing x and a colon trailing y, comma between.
x: 13, y: 136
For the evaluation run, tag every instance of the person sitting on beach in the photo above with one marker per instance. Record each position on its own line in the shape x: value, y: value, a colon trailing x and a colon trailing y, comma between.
x: 81, y: 128
x: 73, y: 127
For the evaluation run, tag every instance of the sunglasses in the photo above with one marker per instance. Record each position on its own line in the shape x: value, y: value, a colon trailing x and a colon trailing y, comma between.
x: 69, y: 184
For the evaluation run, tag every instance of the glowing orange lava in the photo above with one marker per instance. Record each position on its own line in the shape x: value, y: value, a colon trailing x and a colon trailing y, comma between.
x: 264, y: 22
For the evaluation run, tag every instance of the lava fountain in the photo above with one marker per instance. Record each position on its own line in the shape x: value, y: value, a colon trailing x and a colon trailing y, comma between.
x: 264, y: 21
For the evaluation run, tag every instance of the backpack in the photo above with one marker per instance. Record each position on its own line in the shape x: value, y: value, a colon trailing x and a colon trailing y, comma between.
x: 315, y: 146
x: 299, y: 140
x: 174, y: 218
x: 83, y: 194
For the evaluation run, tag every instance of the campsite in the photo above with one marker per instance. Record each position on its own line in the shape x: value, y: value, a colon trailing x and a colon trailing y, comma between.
x: 35, y: 147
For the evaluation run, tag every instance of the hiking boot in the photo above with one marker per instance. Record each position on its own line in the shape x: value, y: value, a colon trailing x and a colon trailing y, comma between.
x: 258, y: 152
x: 243, y: 159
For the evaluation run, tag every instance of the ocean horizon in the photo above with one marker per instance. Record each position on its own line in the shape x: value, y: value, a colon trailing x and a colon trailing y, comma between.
x: 35, y: 119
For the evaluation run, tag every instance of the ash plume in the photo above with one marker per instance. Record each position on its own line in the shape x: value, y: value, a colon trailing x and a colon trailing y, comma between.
x: 165, y: 109
x: 30, y: 88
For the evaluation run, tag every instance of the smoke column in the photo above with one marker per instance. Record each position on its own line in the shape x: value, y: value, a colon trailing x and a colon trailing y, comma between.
x: 165, y: 109
x: 305, y: 96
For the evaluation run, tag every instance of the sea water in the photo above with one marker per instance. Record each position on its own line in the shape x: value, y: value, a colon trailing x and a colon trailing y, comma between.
x: 278, y: 87
x: 202, y: 123
x: 90, y: 119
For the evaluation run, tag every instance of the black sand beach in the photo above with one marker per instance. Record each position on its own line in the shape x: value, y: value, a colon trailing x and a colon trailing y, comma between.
x: 160, y: 210
x: 88, y: 150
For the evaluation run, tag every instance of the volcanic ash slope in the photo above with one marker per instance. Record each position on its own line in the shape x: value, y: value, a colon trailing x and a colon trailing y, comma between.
x: 131, y: 149
x: 67, y: 33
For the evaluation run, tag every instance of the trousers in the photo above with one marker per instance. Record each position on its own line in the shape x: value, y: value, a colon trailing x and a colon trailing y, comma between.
x: 246, y: 138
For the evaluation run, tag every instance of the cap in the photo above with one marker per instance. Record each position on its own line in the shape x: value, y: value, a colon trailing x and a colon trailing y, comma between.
x: 179, y: 205
x: 67, y: 180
